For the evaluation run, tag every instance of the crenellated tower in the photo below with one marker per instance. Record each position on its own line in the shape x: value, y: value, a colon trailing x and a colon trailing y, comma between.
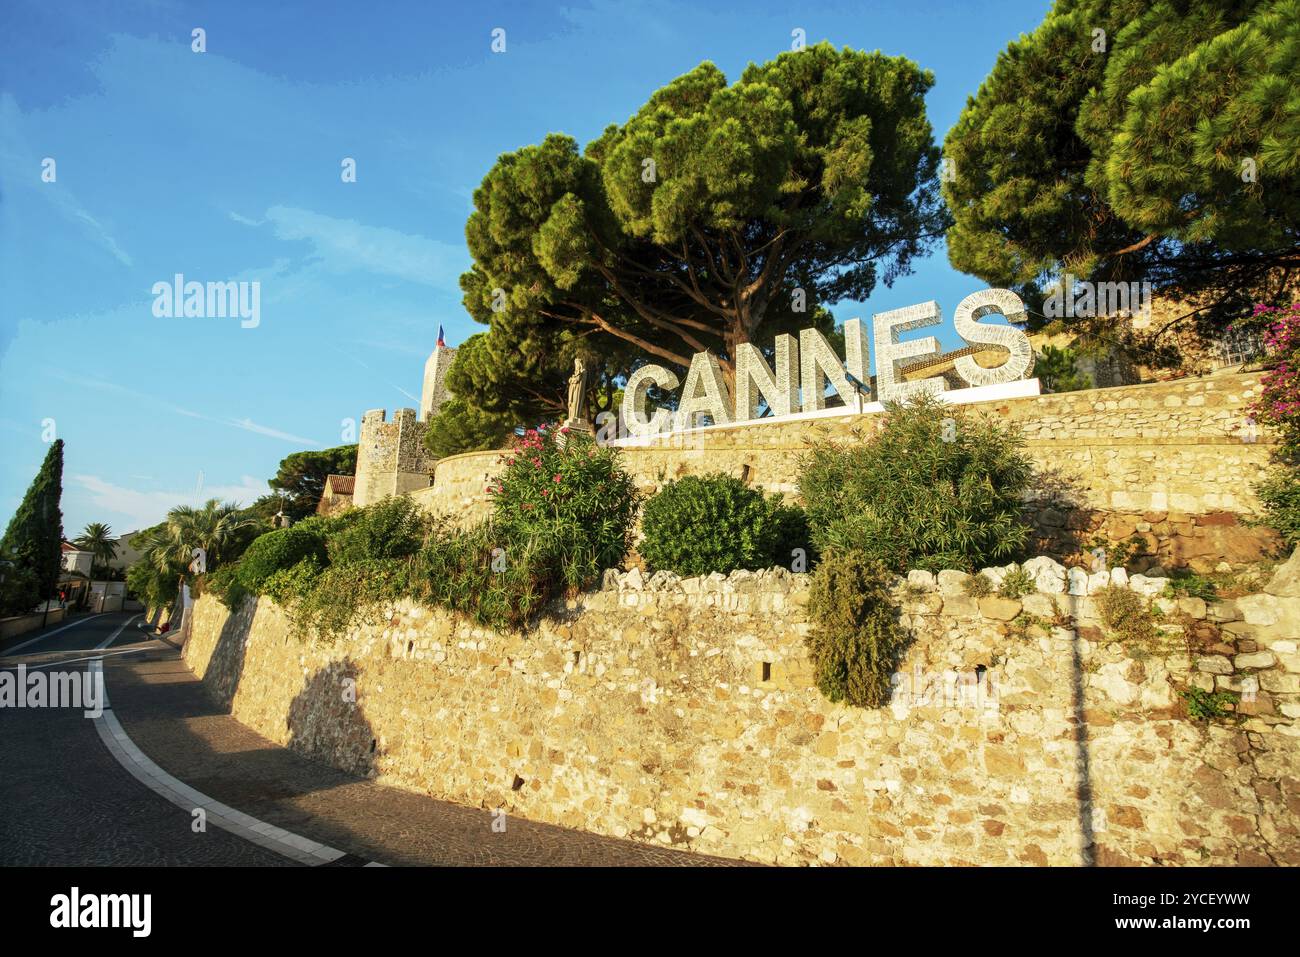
x: 391, y: 456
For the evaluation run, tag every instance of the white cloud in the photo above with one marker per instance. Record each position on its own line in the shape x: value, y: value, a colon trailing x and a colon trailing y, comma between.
x: 251, y: 426
x: 22, y: 165
x: 149, y: 508
x: 344, y: 244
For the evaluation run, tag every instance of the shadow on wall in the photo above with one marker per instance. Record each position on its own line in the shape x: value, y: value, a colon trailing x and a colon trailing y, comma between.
x: 226, y: 667
x: 326, y: 720
x: 1056, y: 499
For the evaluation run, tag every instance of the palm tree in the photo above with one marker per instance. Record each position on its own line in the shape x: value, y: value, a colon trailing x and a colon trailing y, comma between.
x: 217, y: 528
x: 97, y: 538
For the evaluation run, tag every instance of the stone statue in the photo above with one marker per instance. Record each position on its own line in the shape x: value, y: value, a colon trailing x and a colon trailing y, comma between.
x: 578, y: 392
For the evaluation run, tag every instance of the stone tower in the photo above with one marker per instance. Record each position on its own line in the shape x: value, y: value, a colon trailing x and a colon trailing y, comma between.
x: 391, y: 456
x: 434, y: 393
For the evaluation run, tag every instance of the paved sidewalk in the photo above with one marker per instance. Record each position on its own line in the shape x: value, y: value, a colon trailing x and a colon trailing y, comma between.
x: 169, y: 716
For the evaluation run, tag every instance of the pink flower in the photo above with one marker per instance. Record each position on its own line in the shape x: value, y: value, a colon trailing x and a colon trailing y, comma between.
x: 557, y: 476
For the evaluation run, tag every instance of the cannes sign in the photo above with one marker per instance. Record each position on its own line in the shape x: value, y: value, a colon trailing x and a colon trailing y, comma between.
x: 804, y: 367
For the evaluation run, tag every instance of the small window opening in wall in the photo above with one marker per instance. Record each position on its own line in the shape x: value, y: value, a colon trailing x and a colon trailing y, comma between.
x: 576, y: 656
x: 518, y: 783
x: 373, y: 742
x: 767, y: 671
x: 746, y: 473
x: 979, y: 671
x: 410, y: 647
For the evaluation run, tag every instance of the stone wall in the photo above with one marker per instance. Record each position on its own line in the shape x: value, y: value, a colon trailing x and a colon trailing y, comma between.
x: 1169, y: 462
x: 682, y: 711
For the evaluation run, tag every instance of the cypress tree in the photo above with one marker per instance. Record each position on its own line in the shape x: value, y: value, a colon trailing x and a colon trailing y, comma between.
x: 33, y: 541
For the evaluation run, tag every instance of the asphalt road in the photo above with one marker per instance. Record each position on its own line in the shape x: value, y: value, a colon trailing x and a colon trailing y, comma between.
x: 64, y: 799
x: 67, y: 798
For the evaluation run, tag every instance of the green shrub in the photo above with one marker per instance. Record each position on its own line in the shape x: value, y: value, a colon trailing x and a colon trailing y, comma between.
x: 715, y: 523
x: 1188, y: 583
x: 1016, y: 584
x: 289, y: 586
x: 340, y: 597
x: 481, y: 574
x: 937, y: 487
x: 856, y: 642
x: 1279, y: 494
x: 225, y: 584
x: 1058, y: 370
x: 280, y: 549
x: 19, y: 591
x: 978, y: 586
x: 1127, y: 616
x: 563, y: 494
x: 1205, y: 705
x: 392, y: 528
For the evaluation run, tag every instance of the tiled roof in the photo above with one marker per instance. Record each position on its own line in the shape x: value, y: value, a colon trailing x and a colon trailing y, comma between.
x: 341, y: 484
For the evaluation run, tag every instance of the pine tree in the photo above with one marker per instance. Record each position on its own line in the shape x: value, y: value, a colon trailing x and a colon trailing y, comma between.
x: 33, y: 541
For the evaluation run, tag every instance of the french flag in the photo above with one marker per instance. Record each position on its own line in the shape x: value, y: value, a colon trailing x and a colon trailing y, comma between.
x: 442, y: 343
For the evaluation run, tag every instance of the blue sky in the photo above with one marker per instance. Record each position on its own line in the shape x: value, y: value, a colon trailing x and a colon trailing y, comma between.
x: 225, y: 165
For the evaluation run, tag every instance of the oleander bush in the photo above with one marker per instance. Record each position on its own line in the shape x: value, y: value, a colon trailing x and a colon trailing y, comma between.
x: 715, y: 523
x: 562, y: 495
x: 936, y: 487
x: 1278, y: 405
x: 856, y: 642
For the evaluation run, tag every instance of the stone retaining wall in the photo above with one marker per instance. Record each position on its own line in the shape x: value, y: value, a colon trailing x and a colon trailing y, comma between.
x: 682, y: 711
x: 1175, y: 456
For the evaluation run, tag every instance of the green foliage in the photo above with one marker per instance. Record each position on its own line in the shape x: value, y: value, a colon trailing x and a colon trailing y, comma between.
x: 391, y: 528
x: 1058, y: 370
x: 1208, y: 706
x: 978, y: 586
x: 97, y: 538
x: 563, y: 514
x: 814, y: 170
x: 225, y: 584
x: 156, y: 587
x: 18, y: 586
x: 936, y: 488
x: 301, y: 477
x: 1127, y: 616
x: 715, y: 523
x: 326, y: 603
x: 1279, y: 494
x: 34, y: 538
x: 478, y: 574
x: 856, y: 642
x: 1184, y: 583
x: 1127, y: 164
x: 460, y: 426
x: 561, y: 492
x: 277, y: 550
x: 1016, y: 584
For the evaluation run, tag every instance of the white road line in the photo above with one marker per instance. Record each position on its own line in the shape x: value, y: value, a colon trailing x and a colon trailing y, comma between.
x: 294, y: 846
x: 113, y: 637
x: 73, y: 661
x: 32, y: 641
